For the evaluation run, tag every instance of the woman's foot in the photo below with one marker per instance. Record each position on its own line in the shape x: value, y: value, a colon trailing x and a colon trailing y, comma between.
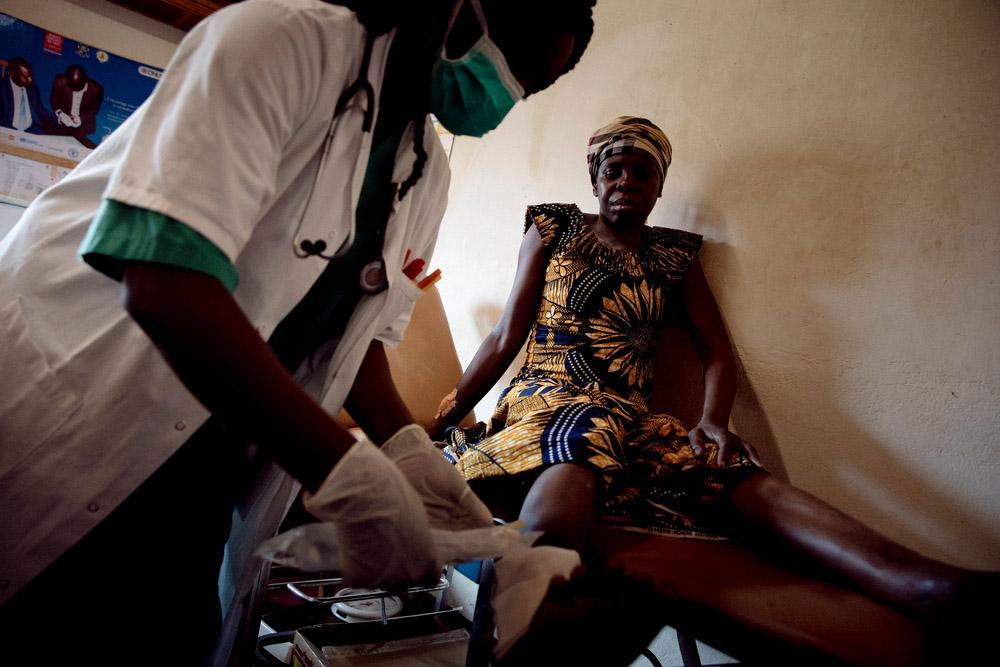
x: 960, y: 615
x: 965, y: 592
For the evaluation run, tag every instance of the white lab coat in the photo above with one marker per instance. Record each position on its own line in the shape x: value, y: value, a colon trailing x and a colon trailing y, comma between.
x: 229, y: 143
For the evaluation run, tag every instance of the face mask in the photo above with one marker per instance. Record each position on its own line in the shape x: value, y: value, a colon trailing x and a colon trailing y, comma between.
x: 471, y: 94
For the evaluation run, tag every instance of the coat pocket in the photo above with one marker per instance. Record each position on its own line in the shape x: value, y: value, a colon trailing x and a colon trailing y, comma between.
x: 34, y: 403
x: 400, y: 301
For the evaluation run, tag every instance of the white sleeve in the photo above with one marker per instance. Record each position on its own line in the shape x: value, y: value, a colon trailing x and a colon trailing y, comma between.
x: 207, y: 148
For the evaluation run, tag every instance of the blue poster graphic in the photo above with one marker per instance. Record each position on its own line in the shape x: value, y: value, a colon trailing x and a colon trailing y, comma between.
x: 59, y: 99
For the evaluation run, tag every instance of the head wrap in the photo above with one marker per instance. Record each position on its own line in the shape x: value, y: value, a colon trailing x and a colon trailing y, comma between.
x: 629, y: 134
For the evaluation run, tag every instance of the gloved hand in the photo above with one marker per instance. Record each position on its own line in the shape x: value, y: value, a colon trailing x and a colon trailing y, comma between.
x: 383, y: 532
x: 450, y: 503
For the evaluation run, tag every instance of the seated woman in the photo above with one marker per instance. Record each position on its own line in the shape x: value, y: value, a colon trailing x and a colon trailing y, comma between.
x: 573, y: 437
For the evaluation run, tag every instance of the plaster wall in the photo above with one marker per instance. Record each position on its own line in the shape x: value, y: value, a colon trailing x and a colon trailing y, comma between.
x: 841, y: 160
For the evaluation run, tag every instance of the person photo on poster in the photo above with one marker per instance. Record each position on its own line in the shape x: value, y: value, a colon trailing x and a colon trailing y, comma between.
x: 21, y: 105
x: 75, y: 100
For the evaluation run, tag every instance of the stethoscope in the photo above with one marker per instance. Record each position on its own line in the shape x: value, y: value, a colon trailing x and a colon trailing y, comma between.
x: 372, y: 278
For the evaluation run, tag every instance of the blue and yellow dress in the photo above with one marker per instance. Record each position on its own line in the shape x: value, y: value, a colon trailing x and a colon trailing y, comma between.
x: 582, y: 395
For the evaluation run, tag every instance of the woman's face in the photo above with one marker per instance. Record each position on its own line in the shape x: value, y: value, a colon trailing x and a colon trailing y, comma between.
x: 627, y: 188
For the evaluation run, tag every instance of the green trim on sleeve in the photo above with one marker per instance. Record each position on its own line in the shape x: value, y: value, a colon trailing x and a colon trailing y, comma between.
x: 121, y: 232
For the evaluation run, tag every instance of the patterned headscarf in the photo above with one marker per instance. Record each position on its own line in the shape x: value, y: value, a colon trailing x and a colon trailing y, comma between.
x: 629, y: 134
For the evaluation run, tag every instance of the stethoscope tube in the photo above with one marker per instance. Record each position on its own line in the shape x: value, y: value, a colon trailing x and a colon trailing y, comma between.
x: 372, y: 278
x: 307, y: 248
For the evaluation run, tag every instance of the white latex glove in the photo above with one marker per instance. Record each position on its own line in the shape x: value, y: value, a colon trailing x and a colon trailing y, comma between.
x: 450, y: 503
x: 63, y: 117
x: 383, y: 533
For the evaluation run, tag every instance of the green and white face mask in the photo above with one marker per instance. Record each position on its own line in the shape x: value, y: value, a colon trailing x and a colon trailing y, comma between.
x: 471, y: 94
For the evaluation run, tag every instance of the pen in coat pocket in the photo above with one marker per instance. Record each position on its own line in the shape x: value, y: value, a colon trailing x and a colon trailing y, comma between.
x: 429, y: 280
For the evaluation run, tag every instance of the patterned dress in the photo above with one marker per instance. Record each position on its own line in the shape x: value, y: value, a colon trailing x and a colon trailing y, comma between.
x: 582, y: 394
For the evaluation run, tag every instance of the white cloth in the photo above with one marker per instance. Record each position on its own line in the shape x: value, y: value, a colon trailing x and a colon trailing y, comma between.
x: 21, y: 118
x: 66, y: 120
x: 74, y: 110
x: 315, y: 547
x: 522, y: 581
x: 229, y: 143
x: 72, y: 119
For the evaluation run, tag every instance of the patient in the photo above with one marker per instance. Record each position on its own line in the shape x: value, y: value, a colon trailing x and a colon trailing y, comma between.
x: 573, y: 439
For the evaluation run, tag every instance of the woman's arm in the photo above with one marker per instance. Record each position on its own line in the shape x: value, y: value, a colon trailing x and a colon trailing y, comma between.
x: 222, y: 360
x: 712, y: 342
x: 500, y: 347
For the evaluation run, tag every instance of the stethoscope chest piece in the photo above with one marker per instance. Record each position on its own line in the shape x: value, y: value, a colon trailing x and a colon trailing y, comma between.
x: 372, y: 278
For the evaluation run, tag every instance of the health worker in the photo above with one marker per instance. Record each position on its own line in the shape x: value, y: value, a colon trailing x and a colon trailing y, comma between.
x: 242, y: 238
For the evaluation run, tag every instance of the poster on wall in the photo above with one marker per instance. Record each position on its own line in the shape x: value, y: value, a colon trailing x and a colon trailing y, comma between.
x: 59, y: 99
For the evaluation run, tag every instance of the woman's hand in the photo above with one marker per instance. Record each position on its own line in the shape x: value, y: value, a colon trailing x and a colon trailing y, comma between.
x: 440, y: 422
x: 730, y: 445
x: 435, y: 430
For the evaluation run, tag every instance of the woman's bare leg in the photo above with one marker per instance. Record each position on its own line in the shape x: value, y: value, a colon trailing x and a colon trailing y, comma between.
x: 872, y: 562
x: 562, y: 503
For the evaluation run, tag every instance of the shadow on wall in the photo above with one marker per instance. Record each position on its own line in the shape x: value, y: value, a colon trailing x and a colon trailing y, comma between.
x: 845, y: 464
x: 680, y: 392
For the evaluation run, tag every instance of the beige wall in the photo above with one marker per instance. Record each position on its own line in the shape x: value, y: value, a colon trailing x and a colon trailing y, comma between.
x: 841, y: 159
